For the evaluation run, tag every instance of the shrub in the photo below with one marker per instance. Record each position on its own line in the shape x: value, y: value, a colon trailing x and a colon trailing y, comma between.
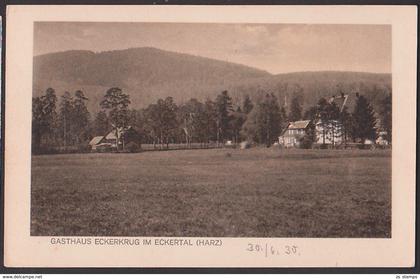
x: 104, y: 148
x: 44, y: 150
x: 132, y: 147
x: 83, y: 148
x: 361, y: 146
x: 305, y: 142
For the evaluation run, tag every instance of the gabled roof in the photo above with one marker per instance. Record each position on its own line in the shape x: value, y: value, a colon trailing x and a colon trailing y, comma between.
x: 340, y: 100
x: 345, y: 100
x: 302, y: 124
x: 96, y: 140
x: 111, y: 135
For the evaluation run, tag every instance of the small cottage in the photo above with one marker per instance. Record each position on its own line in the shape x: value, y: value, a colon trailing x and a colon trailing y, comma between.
x: 95, y: 142
x: 293, y: 133
x: 109, y: 141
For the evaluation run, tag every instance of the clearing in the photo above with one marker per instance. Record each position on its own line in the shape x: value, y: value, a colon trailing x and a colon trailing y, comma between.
x: 258, y: 192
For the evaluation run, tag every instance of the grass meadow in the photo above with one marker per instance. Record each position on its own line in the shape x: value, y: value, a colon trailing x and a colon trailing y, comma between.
x: 258, y: 192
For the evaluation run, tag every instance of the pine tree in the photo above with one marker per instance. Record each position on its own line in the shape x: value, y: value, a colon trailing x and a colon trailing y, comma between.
x: 247, y: 105
x: 347, y: 124
x: 364, y: 120
x: 191, y: 119
x: 283, y: 116
x: 333, y: 126
x: 66, y: 118
x: 224, y: 109
x: 101, y: 124
x: 115, y: 103
x: 210, y: 119
x: 386, y: 117
x: 263, y: 124
x: 152, y: 123
x: 44, y: 120
x: 168, y: 111
x: 310, y: 136
x: 311, y: 113
x: 238, y: 119
x: 322, y: 117
x: 81, y: 117
x: 295, y: 113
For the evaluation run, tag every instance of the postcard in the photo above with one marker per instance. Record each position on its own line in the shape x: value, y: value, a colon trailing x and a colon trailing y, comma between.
x: 210, y: 136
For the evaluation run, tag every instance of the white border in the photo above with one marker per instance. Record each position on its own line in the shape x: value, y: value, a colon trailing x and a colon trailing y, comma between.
x: 23, y: 250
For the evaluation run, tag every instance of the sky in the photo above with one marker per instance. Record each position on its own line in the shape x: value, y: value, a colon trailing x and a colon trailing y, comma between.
x: 276, y: 48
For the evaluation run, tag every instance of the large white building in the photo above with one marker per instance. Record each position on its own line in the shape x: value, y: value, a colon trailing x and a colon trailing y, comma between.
x: 331, y: 132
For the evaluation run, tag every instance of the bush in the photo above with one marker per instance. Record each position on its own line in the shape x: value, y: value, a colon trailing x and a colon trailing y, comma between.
x: 104, y: 148
x: 361, y: 146
x: 306, y: 143
x: 132, y: 147
x: 83, y: 148
x: 44, y: 150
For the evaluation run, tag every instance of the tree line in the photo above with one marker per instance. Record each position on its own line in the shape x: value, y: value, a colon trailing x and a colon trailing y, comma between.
x: 64, y: 124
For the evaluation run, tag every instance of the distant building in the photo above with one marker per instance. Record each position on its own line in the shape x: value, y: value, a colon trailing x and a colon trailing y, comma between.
x: 381, y: 140
x: 293, y: 133
x: 109, y: 141
x: 96, y: 142
x: 342, y: 100
x: 381, y: 132
x: 330, y: 132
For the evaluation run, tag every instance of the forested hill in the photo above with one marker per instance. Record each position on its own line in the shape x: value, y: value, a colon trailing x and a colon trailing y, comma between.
x: 149, y: 73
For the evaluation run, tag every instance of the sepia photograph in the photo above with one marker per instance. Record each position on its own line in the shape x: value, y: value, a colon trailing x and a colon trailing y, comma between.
x: 150, y: 136
x: 211, y: 130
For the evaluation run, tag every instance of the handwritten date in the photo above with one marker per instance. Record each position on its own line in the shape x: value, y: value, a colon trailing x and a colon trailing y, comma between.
x: 272, y: 250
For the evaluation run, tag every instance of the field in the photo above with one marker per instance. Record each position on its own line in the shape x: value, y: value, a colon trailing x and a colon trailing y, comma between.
x: 258, y: 192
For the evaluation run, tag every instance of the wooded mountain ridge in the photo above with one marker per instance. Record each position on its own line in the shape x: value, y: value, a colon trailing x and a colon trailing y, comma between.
x: 147, y: 74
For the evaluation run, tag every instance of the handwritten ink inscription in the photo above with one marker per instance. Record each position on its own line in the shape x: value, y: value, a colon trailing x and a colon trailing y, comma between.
x: 273, y: 250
